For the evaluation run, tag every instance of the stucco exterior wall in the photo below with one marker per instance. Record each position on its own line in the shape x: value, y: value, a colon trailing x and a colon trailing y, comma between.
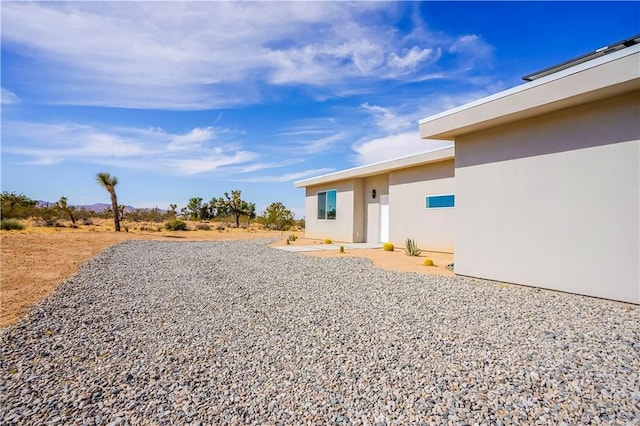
x: 342, y: 227
x: 432, y: 229
x: 553, y: 201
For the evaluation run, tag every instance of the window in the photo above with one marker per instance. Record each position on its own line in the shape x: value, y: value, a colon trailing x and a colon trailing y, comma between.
x: 439, y: 201
x: 327, y: 204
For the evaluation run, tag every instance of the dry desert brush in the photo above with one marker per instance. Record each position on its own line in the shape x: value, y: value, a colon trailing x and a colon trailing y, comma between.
x: 176, y: 225
x: 11, y: 224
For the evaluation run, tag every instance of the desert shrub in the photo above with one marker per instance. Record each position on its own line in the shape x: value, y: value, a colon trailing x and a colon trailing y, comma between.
x: 428, y: 262
x: 203, y: 226
x: 145, y: 215
x: 292, y: 237
x: 87, y: 221
x: 17, y: 205
x: 277, y: 217
x: 411, y: 248
x: 327, y: 240
x: 288, y: 241
x: 388, y: 247
x: 49, y: 216
x: 176, y: 225
x: 49, y: 223
x: 11, y: 224
x: 341, y: 249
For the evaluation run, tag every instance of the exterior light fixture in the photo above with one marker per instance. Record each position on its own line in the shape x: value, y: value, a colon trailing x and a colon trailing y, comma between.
x: 373, y: 193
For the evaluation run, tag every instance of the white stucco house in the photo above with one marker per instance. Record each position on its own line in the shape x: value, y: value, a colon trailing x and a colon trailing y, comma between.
x: 390, y: 201
x: 543, y: 190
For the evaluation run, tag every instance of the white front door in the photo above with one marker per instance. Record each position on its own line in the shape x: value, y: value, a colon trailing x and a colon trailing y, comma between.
x: 384, y: 218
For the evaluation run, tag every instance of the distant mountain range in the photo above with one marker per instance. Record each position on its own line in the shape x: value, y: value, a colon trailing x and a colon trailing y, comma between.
x: 97, y: 207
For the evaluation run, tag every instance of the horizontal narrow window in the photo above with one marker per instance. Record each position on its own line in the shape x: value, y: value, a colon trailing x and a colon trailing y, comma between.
x: 327, y: 204
x: 439, y: 201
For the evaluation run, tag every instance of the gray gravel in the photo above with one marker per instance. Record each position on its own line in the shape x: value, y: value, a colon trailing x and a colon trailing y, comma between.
x: 236, y: 332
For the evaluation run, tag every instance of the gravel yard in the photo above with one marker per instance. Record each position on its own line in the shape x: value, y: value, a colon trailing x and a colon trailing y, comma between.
x: 234, y: 332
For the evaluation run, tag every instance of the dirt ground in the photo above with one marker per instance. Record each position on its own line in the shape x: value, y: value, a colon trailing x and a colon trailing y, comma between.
x: 34, y: 261
x: 395, y: 260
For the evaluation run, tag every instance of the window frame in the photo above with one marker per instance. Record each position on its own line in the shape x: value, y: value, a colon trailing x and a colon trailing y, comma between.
x: 426, y: 201
x: 326, y: 204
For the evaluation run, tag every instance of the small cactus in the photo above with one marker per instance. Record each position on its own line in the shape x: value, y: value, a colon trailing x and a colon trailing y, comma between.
x: 411, y: 248
x: 428, y: 262
x: 327, y: 240
x: 388, y: 247
x: 341, y: 249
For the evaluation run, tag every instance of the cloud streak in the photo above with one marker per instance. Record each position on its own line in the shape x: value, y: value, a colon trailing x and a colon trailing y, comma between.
x: 8, y: 97
x: 202, y: 55
x: 200, y: 150
x: 394, y: 146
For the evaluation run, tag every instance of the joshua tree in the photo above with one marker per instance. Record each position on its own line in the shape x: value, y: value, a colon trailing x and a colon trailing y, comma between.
x: 172, y: 210
x: 194, y: 206
x: 237, y: 206
x: 109, y: 183
x: 68, y: 210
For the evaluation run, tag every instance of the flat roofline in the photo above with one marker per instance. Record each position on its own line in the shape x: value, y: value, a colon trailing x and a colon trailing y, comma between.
x: 606, y: 75
x: 413, y: 160
x: 584, y: 58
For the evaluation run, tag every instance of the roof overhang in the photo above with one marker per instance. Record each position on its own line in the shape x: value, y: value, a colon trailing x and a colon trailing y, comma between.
x: 610, y: 75
x: 381, y: 167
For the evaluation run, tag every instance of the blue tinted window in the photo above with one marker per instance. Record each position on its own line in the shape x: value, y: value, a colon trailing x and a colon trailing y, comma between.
x: 331, y: 204
x: 327, y: 204
x: 440, y: 201
x: 322, y: 205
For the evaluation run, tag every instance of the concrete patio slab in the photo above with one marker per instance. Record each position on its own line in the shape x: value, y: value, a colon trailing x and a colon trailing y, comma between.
x: 328, y: 247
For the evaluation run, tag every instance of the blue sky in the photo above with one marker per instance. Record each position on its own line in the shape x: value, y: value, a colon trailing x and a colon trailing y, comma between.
x: 180, y: 100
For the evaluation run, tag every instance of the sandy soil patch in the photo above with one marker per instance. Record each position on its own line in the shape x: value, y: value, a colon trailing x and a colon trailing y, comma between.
x: 395, y: 260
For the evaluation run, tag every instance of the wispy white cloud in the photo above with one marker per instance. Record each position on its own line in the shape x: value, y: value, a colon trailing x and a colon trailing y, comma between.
x: 218, y: 159
x: 313, y: 136
x: 394, y: 146
x: 287, y: 177
x: 387, y: 120
x: 471, y: 50
x: 8, y: 97
x: 151, y: 149
x: 200, y: 55
x: 193, y: 139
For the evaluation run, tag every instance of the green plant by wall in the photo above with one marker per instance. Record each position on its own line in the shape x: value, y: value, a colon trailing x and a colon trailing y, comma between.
x: 292, y: 237
x: 411, y: 248
x: 428, y: 262
x: 341, y: 249
x: 327, y: 240
x: 176, y: 225
x: 388, y: 247
x: 11, y: 224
